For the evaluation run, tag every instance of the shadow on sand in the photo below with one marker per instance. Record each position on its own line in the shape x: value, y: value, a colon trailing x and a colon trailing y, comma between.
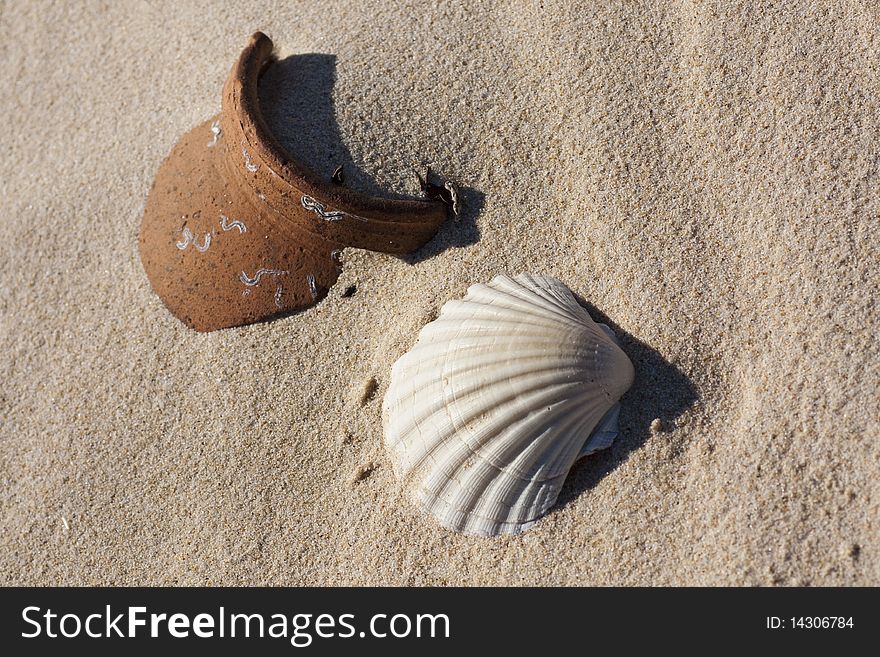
x: 296, y: 98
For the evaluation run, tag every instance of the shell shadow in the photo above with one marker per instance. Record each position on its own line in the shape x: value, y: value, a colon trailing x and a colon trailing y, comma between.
x: 660, y: 390
x: 296, y: 98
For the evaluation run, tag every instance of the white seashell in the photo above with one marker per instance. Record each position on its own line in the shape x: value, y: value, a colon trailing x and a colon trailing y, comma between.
x: 499, y: 397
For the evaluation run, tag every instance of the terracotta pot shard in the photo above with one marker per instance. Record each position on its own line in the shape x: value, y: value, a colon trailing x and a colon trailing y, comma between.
x: 236, y: 231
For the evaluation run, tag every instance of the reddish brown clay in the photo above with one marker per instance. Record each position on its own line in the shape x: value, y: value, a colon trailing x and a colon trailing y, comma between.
x: 236, y: 231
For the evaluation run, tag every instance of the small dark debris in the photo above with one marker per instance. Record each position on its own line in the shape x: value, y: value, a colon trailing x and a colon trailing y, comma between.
x: 369, y: 391
x: 349, y: 291
x: 447, y: 193
x: 364, y: 471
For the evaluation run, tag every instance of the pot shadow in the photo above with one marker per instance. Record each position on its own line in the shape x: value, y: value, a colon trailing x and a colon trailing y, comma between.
x: 660, y: 390
x: 456, y: 231
x: 296, y: 99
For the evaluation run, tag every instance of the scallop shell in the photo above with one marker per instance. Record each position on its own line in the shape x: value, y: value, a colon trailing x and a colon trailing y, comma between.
x: 499, y: 397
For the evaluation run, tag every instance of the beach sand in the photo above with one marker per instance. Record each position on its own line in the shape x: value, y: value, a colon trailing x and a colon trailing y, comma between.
x: 703, y: 175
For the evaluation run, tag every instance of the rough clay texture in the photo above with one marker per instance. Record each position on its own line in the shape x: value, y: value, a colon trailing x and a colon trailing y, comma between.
x: 705, y: 175
x: 233, y: 169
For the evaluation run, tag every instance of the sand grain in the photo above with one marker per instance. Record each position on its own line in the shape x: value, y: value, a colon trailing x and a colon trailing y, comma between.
x: 704, y: 175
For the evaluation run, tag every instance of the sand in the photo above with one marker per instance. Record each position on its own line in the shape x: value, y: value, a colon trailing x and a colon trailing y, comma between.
x: 704, y: 175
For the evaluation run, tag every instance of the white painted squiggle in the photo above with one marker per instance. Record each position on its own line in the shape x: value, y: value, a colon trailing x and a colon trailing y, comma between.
x: 313, y: 289
x: 215, y: 132
x: 250, y: 166
x: 318, y: 208
x: 278, y: 292
x: 225, y: 224
x: 189, y: 239
x: 251, y: 282
x: 204, y: 247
